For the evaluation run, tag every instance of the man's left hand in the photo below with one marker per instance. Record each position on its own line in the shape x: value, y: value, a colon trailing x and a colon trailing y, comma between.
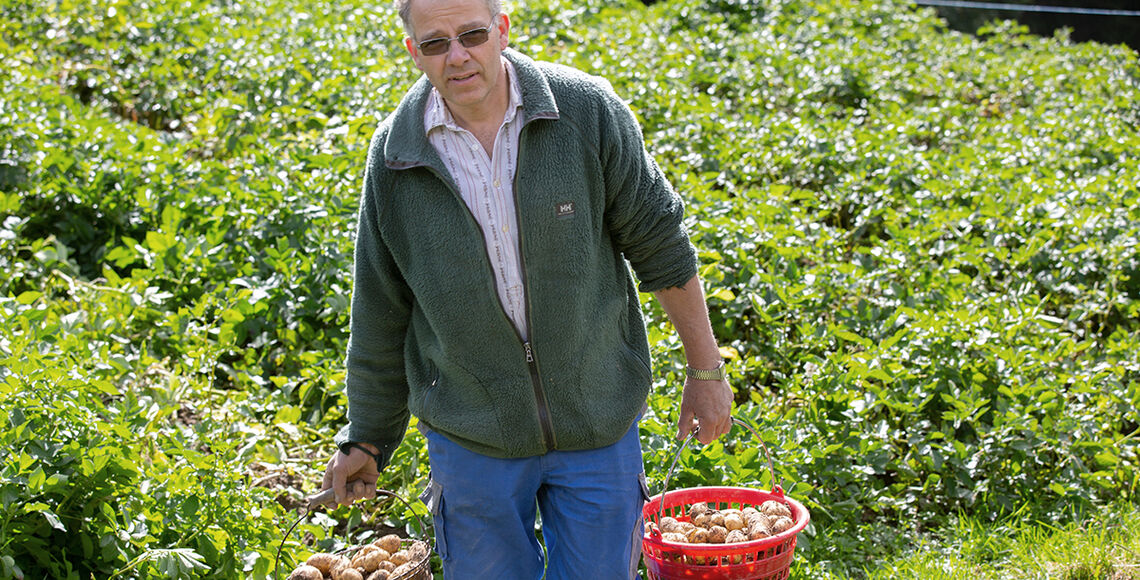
x: 707, y: 404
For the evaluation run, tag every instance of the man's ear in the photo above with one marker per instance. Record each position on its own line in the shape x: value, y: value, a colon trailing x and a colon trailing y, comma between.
x: 411, y: 47
x: 503, y: 22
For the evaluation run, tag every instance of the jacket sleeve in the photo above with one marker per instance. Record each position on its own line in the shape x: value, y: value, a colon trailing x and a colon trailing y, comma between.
x: 643, y: 212
x: 375, y: 381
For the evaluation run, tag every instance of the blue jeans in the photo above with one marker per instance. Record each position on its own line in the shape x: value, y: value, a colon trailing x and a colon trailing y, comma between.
x: 590, y: 503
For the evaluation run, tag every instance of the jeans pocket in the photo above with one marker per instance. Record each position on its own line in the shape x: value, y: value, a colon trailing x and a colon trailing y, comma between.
x: 432, y: 498
x: 638, y: 528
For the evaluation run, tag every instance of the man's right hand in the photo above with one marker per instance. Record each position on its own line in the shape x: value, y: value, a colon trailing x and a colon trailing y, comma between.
x: 357, y: 467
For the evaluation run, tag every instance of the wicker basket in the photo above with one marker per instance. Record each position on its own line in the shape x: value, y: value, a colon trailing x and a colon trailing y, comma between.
x: 420, y: 571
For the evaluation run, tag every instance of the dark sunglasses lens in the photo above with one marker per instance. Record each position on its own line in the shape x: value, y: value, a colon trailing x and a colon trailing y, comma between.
x: 474, y: 37
x: 434, y: 47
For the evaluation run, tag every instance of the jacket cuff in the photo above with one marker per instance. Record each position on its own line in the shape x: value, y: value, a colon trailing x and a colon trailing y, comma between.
x: 344, y: 442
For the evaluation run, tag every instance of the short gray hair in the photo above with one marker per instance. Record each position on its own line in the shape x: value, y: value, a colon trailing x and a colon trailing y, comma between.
x: 404, y: 8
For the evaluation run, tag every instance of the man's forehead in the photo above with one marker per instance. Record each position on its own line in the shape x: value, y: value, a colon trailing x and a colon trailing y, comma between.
x: 431, y: 18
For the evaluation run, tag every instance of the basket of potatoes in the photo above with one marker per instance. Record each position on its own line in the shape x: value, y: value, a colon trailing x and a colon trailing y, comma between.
x: 387, y: 558
x: 721, y: 533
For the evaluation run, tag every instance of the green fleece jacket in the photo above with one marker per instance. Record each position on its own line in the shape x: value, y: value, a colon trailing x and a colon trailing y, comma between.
x: 428, y: 333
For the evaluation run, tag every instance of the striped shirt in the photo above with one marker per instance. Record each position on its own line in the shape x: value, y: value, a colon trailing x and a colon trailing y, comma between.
x: 487, y: 187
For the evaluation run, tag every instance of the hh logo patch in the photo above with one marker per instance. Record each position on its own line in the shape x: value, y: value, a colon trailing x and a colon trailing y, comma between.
x: 564, y: 209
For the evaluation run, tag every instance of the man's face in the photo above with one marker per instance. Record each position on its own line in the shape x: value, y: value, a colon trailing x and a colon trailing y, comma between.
x: 466, y: 77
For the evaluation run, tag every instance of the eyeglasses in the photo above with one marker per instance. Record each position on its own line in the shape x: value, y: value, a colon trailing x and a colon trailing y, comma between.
x: 469, y: 39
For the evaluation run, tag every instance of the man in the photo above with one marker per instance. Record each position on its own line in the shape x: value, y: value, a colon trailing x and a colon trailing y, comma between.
x: 504, y: 202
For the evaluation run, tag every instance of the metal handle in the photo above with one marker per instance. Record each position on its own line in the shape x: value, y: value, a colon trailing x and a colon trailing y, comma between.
x: 776, y: 487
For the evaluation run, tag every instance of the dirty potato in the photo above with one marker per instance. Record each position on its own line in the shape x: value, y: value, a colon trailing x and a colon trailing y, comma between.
x: 399, y: 557
x: 369, y: 560
x: 402, y: 569
x: 306, y: 572
x: 698, y: 508
x: 698, y: 536
x: 669, y: 524
x: 390, y: 543
x: 734, y: 521
x: 781, y: 524
x: 717, y: 535
x: 348, y: 573
x: 716, y: 519
x: 775, y: 508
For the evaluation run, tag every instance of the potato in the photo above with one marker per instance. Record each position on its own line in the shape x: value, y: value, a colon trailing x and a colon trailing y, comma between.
x: 698, y: 536
x: 399, y: 558
x: 675, y: 537
x: 323, y: 561
x: 754, y: 519
x: 716, y: 519
x: 759, y: 527
x: 329, y: 564
x: 698, y: 508
x: 717, y: 535
x: 306, y: 572
x: 418, y: 552
x: 348, y: 573
x: 369, y: 560
x: 651, y: 529
x: 390, y: 543
x: 700, y: 560
x: 368, y: 549
x: 775, y: 508
x: 759, y: 533
x: 387, y: 566
x: 734, y: 521
x: 781, y: 524
x: 402, y: 569
x: 380, y: 575
x: 701, y: 519
x: 669, y: 524
x: 736, y: 536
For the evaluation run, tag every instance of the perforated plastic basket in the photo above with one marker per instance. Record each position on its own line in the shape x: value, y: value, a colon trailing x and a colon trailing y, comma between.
x: 766, y: 559
x: 763, y: 559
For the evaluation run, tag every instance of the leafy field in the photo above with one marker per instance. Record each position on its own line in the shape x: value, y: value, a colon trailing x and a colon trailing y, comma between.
x: 921, y: 250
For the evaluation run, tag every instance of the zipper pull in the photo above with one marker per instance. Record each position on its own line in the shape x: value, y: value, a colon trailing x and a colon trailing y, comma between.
x: 529, y: 352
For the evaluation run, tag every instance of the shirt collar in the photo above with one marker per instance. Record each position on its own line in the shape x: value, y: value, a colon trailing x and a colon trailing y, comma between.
x: 437, y: 115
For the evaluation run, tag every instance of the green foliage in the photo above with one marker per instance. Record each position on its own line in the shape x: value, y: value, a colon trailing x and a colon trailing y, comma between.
x: 920, y: 251
x: 1106, y: 546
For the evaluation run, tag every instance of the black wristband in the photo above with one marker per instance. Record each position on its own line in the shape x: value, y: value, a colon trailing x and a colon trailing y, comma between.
x: 375, y: 456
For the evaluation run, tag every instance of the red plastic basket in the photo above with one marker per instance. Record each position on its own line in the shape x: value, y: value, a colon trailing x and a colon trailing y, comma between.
x: 765, y: 559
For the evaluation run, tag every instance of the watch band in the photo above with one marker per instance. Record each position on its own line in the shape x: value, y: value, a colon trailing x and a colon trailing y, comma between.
x: 375, y: 456
x: 717, y: 374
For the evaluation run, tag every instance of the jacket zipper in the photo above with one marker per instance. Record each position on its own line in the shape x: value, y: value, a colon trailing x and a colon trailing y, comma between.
x: 543, y: 409
x: 536, y: 381
x: 540, y: 399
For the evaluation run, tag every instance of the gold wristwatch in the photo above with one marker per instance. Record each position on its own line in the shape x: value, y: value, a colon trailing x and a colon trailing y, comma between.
x: 717, y: 374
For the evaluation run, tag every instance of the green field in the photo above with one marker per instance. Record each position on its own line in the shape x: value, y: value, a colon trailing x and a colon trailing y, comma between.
x: 920, y: 248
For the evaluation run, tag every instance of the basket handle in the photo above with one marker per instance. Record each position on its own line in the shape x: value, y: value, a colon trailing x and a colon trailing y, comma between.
x: 327, y: 498
x: 776, y: 487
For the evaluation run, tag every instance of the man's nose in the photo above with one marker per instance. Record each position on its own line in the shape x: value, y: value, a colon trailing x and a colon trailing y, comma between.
x: 456, y: 52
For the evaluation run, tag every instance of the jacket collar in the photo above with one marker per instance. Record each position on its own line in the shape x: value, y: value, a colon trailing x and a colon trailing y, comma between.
x: 411, y: 148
